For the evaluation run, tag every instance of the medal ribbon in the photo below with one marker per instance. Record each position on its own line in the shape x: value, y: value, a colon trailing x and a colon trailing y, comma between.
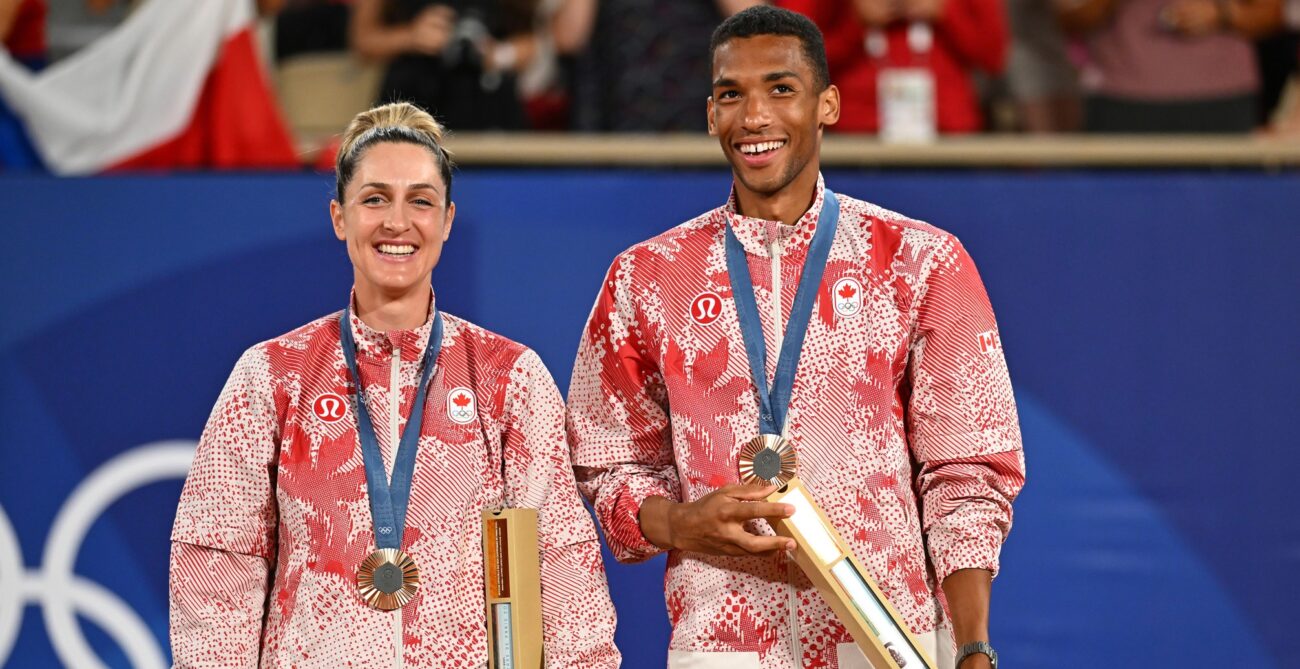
x: 388, y: 502
x: 775, y: 400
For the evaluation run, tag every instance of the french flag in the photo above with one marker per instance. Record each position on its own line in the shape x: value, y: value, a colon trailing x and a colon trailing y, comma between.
x: 178, y: 85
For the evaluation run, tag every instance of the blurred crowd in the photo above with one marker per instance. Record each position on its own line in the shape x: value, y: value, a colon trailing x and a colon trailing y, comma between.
x: 906, y: 68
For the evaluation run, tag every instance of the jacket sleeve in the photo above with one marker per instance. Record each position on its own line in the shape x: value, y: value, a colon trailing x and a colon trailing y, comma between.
x: 223, y: 539
x: 962, y: 422
x: 618, y: 422
x: 577, y: 614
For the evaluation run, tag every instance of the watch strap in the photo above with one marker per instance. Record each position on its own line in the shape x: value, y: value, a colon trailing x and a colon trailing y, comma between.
x: 977, y: 647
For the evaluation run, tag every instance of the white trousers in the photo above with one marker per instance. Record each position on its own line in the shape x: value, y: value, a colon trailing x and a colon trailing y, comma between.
x: 937, y: 644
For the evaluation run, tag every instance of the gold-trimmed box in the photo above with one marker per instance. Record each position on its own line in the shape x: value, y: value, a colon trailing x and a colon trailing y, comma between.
x: 513, y: 589
x: 845, y: 583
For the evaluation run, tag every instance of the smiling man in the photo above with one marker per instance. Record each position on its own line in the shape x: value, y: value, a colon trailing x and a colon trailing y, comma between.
x: 791, y: 317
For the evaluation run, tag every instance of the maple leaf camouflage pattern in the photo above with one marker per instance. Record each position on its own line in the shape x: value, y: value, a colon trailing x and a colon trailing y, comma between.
x: 905, y: 427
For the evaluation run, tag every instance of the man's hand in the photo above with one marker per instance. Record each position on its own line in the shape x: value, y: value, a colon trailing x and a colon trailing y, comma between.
x: 714, y: 523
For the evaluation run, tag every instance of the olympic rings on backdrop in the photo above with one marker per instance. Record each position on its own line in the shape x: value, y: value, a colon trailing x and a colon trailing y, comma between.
x: 62, y: 594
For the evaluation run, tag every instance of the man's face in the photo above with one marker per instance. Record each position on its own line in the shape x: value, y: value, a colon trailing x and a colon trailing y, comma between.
x: 766, y: 110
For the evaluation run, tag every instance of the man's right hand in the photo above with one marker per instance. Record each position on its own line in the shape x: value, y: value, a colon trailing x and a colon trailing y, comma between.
x: 715, y: 523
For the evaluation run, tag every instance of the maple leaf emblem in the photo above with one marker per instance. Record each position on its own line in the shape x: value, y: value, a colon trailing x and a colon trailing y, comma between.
x: 461, y: 400
x: 848, y: 291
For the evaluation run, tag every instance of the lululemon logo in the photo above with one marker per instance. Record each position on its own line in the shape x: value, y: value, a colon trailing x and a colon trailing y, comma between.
x: 847, y: 296
x: 461, y: 407
x: 706, y: 308
x: 330, y: 408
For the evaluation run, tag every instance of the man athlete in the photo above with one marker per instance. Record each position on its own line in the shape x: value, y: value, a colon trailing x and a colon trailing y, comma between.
x: 901, y: 412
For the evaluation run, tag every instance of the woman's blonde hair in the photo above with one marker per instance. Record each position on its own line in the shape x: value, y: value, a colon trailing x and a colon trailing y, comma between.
x: 393, y: 122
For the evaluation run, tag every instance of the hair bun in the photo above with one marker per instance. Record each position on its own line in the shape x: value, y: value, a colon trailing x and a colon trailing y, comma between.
x: 393, y: 122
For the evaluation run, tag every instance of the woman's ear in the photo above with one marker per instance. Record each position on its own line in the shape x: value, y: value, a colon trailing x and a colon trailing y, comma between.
x: 336, y: 217
x: 446, y: 225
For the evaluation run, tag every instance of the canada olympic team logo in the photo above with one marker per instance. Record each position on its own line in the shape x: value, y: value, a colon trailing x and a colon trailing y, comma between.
x: 461, y: 406
x: 706, y: 308
x: 847, y: 296
x: 330, y: 407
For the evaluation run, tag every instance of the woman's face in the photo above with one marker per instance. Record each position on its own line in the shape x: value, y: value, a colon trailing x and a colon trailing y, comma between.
x: 393, y: 219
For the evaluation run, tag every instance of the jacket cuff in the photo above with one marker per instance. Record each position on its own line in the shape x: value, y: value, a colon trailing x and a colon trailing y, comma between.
x: 951, y: 550
x: 621, y: 517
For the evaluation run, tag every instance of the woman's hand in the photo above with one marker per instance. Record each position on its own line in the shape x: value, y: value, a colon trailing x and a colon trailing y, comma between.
x: 431, y: 30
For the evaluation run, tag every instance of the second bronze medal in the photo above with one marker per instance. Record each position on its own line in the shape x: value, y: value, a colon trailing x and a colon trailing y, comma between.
x: 767, y: 459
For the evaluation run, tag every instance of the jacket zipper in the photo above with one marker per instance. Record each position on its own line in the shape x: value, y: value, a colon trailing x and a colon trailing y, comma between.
x: 774, y: 248
x: 394, y: 441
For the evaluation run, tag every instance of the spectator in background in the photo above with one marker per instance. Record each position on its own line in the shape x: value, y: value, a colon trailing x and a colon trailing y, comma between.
x: 309, y: 26
x: 639, y: 65
x: 458, y: 59
x: 1162, y: 66
x: 1286, y: 118
x: 75, y: 23
x: 946, y: 38
x: 1042, y: 81
x: 542, y: 84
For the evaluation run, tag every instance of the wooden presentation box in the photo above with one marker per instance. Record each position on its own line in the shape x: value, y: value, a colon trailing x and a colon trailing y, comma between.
x: 512, y: 575
x: 845, y: 583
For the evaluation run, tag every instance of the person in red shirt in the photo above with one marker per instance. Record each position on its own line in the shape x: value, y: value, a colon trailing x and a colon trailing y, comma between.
x: 948, y: 38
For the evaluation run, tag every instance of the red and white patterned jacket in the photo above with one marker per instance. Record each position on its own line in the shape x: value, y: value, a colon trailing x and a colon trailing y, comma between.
x: 274, y: 518
x: 902, y: 416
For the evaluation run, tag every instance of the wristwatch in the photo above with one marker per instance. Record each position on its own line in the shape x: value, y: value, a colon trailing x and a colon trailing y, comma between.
x: 977, y: 647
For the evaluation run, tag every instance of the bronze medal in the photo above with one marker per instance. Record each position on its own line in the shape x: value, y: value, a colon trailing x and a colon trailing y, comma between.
x: 388, y: 579
x: 767, y: 459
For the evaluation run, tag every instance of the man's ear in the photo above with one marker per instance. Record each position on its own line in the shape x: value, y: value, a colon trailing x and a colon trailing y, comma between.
x: 708, y: 107
x: 828, y: 103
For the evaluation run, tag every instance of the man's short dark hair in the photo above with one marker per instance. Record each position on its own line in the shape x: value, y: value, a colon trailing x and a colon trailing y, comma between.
x: 767, y: 20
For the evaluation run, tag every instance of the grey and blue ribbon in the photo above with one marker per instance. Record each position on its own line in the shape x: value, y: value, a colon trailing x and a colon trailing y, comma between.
x: 388, y: 501
x: 773, y: 401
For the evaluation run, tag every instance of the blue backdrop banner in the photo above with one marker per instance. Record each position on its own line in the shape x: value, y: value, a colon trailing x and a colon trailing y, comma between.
x: 1149, y: 321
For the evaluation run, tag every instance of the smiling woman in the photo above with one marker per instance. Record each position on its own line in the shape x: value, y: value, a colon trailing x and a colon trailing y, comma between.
x: 333, y: 513
x: 394, y: 210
